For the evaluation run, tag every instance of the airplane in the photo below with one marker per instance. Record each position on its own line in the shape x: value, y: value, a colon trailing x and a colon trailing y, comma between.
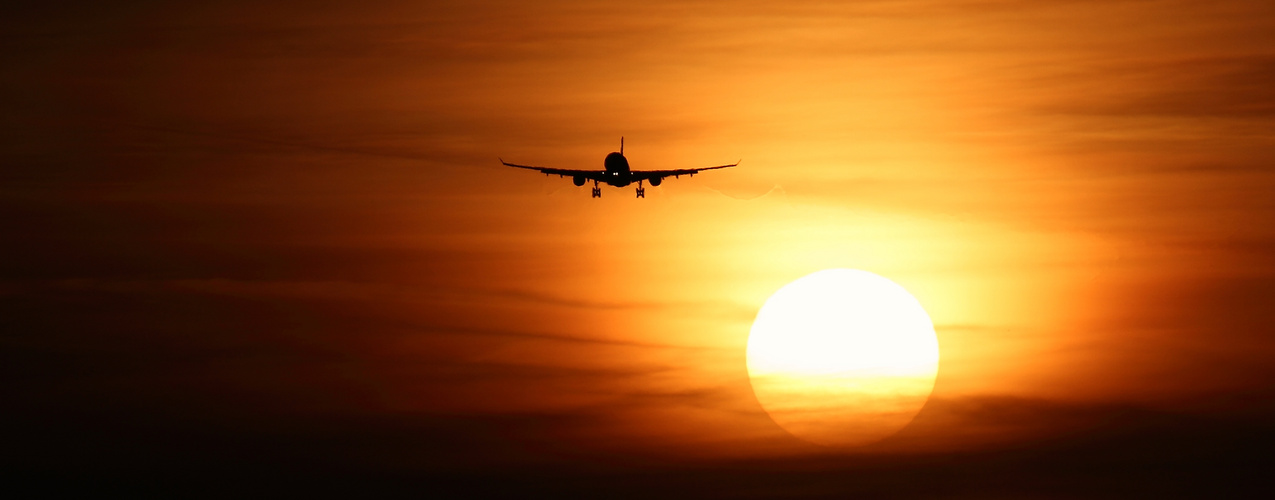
x: 617, y: 173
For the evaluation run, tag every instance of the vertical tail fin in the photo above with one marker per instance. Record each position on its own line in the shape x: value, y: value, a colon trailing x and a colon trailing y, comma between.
x: 621, y: 144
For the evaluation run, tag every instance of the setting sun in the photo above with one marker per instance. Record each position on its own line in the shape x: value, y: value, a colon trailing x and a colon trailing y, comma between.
x: 842, y: 357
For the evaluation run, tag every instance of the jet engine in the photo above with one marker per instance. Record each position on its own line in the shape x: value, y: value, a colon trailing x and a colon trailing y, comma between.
x: 655, y: 181
x: 578, y: 180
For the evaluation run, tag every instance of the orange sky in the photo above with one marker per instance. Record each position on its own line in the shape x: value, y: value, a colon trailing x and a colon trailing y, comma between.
x: 304, y: 204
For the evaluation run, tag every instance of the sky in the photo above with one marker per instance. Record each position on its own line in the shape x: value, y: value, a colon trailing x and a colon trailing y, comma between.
x: 250, y: 241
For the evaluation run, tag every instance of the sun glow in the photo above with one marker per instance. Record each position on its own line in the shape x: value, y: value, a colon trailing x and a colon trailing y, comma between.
x: 842, y: 357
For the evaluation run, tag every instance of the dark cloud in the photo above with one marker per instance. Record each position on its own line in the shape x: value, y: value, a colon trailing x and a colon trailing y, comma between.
x: 1116, y: 452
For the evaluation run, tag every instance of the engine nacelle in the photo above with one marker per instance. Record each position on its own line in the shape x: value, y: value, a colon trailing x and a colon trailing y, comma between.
x: 655, y: 181
x: 578, y: 180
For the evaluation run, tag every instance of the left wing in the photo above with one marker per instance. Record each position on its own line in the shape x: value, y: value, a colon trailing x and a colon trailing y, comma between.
x: 594, y: 175
x: 656, y: 175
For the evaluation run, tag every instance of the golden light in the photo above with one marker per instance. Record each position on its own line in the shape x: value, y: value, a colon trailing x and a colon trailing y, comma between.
x: 842, y: 357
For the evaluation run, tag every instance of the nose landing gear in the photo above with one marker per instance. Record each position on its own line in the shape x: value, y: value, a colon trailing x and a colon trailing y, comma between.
x: 641, y: 192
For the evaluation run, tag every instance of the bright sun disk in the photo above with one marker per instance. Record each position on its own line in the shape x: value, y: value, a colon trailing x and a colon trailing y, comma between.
x: 842, y: 357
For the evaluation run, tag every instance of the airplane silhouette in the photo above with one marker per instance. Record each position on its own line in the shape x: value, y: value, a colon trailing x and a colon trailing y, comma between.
x: 617, y: 173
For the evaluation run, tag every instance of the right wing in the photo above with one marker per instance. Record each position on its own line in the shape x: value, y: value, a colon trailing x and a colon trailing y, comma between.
x: 657, y: 175
x: 594, y: 175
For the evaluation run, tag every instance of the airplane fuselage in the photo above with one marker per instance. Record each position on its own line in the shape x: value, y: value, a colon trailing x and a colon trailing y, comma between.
x: 617, y: 167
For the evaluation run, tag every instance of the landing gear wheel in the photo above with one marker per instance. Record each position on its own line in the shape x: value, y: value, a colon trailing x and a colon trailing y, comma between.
x: 641, y: 192
x: 597, y: 191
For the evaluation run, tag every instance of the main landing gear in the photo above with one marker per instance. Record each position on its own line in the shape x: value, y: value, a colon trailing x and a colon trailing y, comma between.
x: 597, y: 191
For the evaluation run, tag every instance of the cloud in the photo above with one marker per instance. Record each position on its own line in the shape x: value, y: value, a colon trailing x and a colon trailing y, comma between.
x: 1118, y: 451
x: 1223, y: 86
